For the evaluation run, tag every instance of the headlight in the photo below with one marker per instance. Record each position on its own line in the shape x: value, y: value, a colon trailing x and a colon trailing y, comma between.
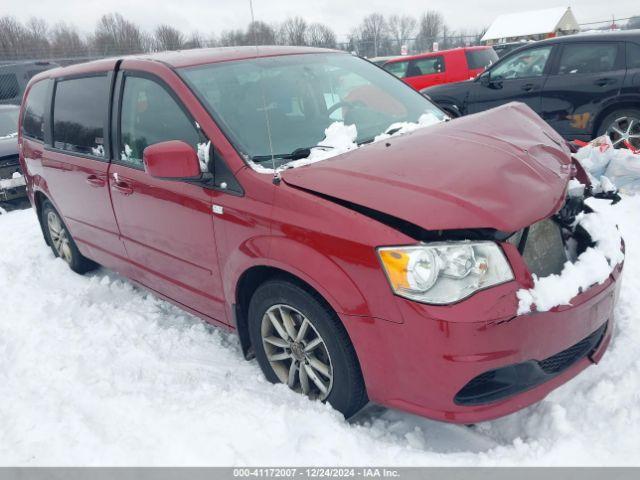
x: 442, y: 273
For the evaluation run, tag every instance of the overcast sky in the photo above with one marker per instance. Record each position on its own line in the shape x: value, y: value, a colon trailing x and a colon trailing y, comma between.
x: 213, y: 16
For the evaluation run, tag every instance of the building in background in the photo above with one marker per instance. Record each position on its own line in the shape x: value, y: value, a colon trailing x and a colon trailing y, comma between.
x: 532, y: 25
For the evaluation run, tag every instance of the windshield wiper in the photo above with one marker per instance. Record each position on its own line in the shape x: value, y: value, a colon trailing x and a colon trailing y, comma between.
x: 297, y: 154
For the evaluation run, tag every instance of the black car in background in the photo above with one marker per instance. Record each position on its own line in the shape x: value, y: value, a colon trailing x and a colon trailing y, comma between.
x: 583, y: 85
x: 14, y: 77
x: 12, y: 186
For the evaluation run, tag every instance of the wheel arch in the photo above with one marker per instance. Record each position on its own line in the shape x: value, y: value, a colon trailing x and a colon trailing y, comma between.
x: 248, y: 283
x: 620, y: 105
x: 39, y: 197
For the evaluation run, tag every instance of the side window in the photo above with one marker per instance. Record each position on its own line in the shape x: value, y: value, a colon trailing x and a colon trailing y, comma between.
x: 587, y: 58
x: 426, y: 66
x: 150, y: 115
x: 399, y: 69
x: 9, y: 87
x: 34, y: 108
x: 79, y: 113
x: 530, y: 63
x: 633, y: 55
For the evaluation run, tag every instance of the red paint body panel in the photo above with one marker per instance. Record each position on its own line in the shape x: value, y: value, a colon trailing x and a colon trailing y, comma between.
x: 456, y: 68
x: 469, y: 173
x: 172, y: 160
x: 503, y: 169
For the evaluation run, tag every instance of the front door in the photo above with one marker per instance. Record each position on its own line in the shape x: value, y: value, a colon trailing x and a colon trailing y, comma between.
x: 167, y: 226
x: 587, y: 76
x: 518, y: 78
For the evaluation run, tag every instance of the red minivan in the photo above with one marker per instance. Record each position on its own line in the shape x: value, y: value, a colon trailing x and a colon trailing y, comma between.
x: 364, y: 248
x: 435, y: 68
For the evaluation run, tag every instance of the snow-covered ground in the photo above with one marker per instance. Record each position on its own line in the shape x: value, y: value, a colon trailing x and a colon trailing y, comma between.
x: 94, y: 371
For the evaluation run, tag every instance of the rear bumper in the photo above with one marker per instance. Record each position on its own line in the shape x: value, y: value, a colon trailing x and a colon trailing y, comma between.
x: 422, y: 364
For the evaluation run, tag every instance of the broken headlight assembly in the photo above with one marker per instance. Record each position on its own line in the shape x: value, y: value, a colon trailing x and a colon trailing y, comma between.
x: 444, y: 272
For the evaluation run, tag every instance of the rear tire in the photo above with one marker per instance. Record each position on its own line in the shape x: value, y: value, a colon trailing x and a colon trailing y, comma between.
x: 61, y: 241
x: 322, y: 356
x: 622, y: 125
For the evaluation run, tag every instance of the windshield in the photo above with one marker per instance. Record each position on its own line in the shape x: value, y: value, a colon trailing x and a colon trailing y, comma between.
x: 302, y: 95
x: 8, y: 121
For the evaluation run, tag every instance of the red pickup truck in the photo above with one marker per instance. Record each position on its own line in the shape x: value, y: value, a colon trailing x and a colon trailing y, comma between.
x: 433, y: 68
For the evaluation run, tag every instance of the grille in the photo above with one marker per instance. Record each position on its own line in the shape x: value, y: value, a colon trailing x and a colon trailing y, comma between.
x: 504, y: 382
x: 544, y: 251
x: 563, y: 360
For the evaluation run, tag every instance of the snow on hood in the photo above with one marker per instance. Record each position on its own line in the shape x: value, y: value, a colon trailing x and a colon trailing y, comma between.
x: 592, y: 267
x: 504, y: 169
x: 340, y: 138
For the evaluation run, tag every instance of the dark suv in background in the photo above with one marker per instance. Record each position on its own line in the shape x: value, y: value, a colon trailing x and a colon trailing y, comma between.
x: 582, y: 85
x: 14, y: 77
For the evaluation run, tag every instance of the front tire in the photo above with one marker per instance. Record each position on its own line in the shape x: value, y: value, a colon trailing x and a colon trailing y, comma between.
x: 622, y: 126
x: 61, y: 241
x: 299, y: 341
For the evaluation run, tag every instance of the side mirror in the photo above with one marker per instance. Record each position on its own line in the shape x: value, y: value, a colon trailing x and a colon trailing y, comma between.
x: 174, y: 159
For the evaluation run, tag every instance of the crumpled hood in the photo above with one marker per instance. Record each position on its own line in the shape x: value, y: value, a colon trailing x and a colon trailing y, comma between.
x: 504, y: 169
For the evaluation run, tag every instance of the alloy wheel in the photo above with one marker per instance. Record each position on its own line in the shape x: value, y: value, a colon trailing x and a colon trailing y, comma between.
x: 625, y: 129
x: 296, y: 351
x: 59, y: 237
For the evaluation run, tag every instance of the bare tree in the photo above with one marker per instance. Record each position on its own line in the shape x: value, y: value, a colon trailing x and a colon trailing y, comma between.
x: 116, y: 35
x: 429, y: 28
x: 293, y: 32
x: 260, y: 33
x: 401, y: 28
x: 11, y: 36
x: 319, y: 35
x: 66, y: 42
x: 168, y: 38
x: 231, y: 38
x: 371, y: 36
x: 195, y: 40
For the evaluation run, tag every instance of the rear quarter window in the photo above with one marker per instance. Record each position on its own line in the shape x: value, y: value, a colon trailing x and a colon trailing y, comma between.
x: 481, y: 58
x: 399, y: 69
x: 79, y: 113
x: 34, y: 110
x: 426, y: 66
x: 9, y: 87
x: 633, y: 55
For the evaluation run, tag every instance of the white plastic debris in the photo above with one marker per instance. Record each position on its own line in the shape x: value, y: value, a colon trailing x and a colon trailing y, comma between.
x: 203, y: 155
x: 620, y: 167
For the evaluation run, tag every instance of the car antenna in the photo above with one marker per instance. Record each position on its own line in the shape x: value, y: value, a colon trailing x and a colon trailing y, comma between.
x: 276, y: 173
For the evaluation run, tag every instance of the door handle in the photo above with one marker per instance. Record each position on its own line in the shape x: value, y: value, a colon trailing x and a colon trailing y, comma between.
x: 601, y: 82
x: 121, y: 186
x: 527, y: 87
x: 95, y: 181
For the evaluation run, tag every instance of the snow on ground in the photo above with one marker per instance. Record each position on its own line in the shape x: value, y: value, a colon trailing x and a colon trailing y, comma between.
x: 94, y: 371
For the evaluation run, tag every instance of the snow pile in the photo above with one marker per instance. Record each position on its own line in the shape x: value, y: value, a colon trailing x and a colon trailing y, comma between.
x: 340, y: 138
x: 203, y: 155
x: 11, y: 135
x: 620, y: 167
x: 16, y: 180
x: 95, y: 371
x: 592, y: 267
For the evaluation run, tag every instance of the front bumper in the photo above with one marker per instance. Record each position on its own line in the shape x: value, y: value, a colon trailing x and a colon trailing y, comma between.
x: 422, y: 364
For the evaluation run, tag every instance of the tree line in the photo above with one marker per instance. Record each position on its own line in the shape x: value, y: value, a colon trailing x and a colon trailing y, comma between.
x: 114, y: 34
x: 375, y: 35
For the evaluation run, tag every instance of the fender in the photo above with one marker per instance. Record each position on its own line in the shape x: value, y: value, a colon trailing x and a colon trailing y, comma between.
x: 282, y: 252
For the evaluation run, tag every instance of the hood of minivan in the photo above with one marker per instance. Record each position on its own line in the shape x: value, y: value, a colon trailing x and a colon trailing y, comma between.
x: 503, y: 169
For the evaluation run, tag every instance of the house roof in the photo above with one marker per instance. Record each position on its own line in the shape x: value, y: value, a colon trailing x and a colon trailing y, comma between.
x: 531, y: 23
